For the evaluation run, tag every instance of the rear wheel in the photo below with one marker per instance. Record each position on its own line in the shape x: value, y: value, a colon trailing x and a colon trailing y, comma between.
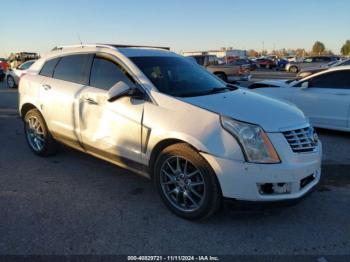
x: 222, y: 76
x: 293, y: 69
x: 186, y: 182
x: 37, y: 134
x: 10, y: 82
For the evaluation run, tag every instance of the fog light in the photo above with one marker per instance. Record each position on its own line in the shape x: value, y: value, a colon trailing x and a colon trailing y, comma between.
x: 274, y: 188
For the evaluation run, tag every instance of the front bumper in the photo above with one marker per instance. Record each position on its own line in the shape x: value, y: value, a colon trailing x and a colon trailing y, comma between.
x: 291, y: 179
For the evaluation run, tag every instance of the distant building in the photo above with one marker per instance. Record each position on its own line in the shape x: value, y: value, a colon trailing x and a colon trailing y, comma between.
x: 222, y: 53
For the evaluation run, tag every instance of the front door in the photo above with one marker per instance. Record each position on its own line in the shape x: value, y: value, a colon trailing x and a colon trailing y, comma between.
x: 111, y: 130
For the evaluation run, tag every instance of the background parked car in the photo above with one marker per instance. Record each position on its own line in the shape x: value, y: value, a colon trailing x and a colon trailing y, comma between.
x: 227, y: 72
x: 13, y: 75
x: 281, y: 64
x: 2, y: 74
x: 313, y: 70
x: 312, y: 61
x: 4, y: 65
x: 17, y: 59
x: 265, y: 63
x: 245, y: 61
x: 323, y: 97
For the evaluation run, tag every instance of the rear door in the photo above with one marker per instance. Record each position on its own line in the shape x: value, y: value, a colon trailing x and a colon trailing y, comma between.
x: 60, y: 95
x: 111, y: 130
x: 327, y: 99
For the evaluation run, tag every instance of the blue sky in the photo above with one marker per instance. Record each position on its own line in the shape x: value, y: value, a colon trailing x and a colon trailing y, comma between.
x: 39, y: 25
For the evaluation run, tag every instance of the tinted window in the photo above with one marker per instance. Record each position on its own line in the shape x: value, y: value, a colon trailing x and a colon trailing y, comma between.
x: 322, y: 59
x: 338, y: 79
x: 105, y: 74
x: 48, y: 67
x: 346, y: 63
x: 178, y: 76
x: 199, y: 59
x: 212, y: 60
x: 73, y: 68
x: 26, y: 65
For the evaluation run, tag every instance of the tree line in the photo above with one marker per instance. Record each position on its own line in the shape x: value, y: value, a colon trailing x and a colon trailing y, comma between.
x: 318, y: 48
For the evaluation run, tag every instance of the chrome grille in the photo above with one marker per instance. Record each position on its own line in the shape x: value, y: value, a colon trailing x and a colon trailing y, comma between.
x: 302, y: 140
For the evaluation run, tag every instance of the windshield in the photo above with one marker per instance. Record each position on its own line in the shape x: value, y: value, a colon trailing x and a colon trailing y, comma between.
x: 178, y: 76
x: 340, y: 63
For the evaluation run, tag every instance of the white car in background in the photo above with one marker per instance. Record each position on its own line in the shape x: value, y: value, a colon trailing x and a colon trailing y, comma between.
x: 161, y: 115
x: 323, y: 97
x: 13, y: 75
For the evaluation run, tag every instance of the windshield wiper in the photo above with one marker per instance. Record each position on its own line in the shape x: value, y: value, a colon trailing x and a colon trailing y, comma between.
x: 208, y: 92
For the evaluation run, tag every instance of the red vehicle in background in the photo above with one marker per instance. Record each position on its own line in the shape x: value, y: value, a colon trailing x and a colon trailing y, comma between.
x: 265, y: 63
x: 4, y: 65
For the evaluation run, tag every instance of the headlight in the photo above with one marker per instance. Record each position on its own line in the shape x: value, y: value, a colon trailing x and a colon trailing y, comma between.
x: 255, y: 143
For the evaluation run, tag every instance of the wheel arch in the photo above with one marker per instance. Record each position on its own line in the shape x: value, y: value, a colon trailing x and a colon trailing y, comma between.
x: 25, y: 108
x: 220, y: 72
x: 160, y: 146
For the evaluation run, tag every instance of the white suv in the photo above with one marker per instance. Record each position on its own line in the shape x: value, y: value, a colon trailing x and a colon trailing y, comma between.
x: 159, y: 114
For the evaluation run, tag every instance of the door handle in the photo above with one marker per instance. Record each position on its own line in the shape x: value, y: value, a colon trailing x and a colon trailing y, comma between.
x: 47, y: 87
x: 91, y: 101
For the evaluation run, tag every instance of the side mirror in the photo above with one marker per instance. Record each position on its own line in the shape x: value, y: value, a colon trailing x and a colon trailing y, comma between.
x: 119, y: 90
x: 304, y: 85
x: 122, y: 89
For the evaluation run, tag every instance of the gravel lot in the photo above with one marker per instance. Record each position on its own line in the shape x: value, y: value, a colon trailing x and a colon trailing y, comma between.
x: 73, y: 203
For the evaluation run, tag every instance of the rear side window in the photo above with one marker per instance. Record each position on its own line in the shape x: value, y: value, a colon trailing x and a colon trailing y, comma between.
x: 48, y: 67
x: 105, y: 74
x: 73, y: 68
x: 336, y: 79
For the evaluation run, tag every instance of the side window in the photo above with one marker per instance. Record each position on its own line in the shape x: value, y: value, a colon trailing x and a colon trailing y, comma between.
x: 49, y: 66
x: 199, y: 59
x: 73, y: 68
x: 336, y: 80
x: 26, y: 65
x: 105, y: 74
x: 308, y: 60
x: 212, y: 60
x: 322, y: 59
x: 346, y: 63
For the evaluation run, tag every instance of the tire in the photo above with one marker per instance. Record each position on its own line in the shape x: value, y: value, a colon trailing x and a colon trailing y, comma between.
x: 267, y: 66
x: 10, y: 81
x: 293, y: 69
x: 37, y: 134
x: 222, y: 76
x: 193, y: 192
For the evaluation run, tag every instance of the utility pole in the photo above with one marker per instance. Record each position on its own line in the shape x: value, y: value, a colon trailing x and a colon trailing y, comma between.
x: 263, y: 47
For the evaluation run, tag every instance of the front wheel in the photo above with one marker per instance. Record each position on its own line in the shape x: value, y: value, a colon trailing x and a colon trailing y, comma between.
x: 222, y: 76
x: 293, y: 69
x: 37, y: 134
x: 186, y: 182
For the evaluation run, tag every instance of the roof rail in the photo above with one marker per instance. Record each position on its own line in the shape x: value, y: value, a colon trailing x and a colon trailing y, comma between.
x: 142, y: 46
x: 111, y: 46
x: 82, y: 46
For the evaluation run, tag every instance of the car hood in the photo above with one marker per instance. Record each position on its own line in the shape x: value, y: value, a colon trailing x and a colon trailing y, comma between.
x: 314, y: 69
x: 274, y: 83
x: 243, y: 105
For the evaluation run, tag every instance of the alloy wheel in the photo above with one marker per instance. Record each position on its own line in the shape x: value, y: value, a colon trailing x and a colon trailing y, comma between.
x: 35, y: 133
x: 182, y: 183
